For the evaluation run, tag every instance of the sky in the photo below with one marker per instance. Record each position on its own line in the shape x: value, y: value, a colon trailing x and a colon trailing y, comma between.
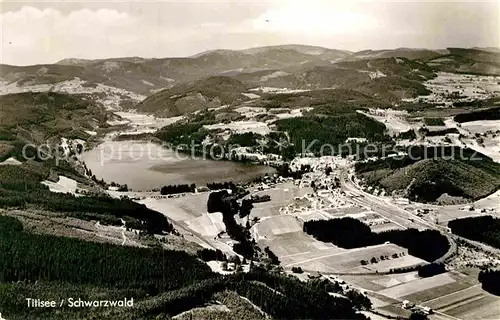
x: 48, y: 31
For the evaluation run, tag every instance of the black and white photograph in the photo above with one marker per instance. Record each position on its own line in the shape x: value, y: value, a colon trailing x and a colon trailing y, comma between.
x: 249, y: 160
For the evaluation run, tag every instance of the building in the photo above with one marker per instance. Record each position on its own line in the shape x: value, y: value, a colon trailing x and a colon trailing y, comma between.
x: 407, y: 304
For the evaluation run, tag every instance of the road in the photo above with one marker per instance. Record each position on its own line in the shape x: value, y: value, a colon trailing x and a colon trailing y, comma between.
x: 387, y: 210
x: 402, y: 217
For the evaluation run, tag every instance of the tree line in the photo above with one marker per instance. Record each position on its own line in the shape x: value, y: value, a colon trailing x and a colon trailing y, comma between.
x: 211, y: 255
x: 487, y: 114
x: 178, y: 188
x: 167, y: 282
x: 20, y: 187
x: 226, y: 203
x: 431, y: 270
x: 33, y: 257
x: 351, y: 233
x: 221, y: 185
x: 279, y: 296
x: 484, y: 229
x: 436, y: 133
x: 318, y: 131
x: 490, y: 280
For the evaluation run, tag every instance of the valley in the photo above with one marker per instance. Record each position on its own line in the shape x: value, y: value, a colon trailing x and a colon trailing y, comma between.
x: 222, y: 175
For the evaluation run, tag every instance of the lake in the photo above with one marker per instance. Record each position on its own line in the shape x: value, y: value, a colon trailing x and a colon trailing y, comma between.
x: 146, y: 165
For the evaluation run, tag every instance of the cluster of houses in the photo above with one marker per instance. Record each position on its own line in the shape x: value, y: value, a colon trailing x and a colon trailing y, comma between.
x: 408, y: 305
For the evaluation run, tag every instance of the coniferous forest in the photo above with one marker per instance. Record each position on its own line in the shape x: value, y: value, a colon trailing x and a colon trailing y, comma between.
x: 490, y: 280
x: 20, y: 187
x: 161, y: 281
x: 350, y: 233
x: 26, y: 256
x: 484, y: 229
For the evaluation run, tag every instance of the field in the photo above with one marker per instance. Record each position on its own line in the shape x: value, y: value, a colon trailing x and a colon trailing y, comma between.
x: 409, y: 289
x: 385, y: 227
x: 282, y: 232
x: 469, y: 303
x: 241, y: 127
x: 190, y: 217
x: 179, y: 209
x: 64, y: 185
x: 490, y: 202
x: 349, y: 261
x: 451, y: 295
x: 297, y: 245
x: 346, y: 210
x: 393, y: 120
x: 448, y: 213
x: 489, y: 139
x: 269, y: 227
x: 490, y: 205
x: 281, y: 196
x: 470, y: 87
x: 481, y: 126
x: 312, y: 215
x: 208, y: 225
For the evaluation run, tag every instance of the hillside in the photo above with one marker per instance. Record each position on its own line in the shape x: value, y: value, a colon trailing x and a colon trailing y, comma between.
x: 427, y: 179
x: 409, y: 53
x: 323, y: 53
x: 202, y: 94
x: 48, y: 116
x: 162, y: 283
x: 282, y: 66
x: 142, y: 75
x: 473, y: 61
x: 404, y: 75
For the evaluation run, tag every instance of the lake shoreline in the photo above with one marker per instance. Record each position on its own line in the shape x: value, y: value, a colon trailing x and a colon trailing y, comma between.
x: 146, y: 164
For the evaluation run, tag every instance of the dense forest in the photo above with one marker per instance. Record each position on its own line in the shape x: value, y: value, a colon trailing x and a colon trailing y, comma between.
x: 182, y: 133
x: 431, y: 270
x: 246, y: 207
x: 160, y: 281
x: 279, y: 296
x: 427, y: 245
x: 32, y: 257
x: 221, y: 185
x: 346, y: 233
x: 351, y: 233
x: 211, y: 255
x: 291, y: 299
x: 490, y: 280
x: 437, y: 133
x: 178, y: 188
x: 332, y: 130
x: 428, y: 172
x: 20, y: 187
x: 407, y: 135
x: 417, y: 153
x: 248, y: 139
x: 226, y: 203
x: 433, y: 122
x: 487, y: 114
x: 484, y: 229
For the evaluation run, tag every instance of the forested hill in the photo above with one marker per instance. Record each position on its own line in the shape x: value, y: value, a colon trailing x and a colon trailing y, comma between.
x: 40, y: 116
x: 162, y: 283
x: 46, y: 117
x: 472, y: 177
x: 189, y: 97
